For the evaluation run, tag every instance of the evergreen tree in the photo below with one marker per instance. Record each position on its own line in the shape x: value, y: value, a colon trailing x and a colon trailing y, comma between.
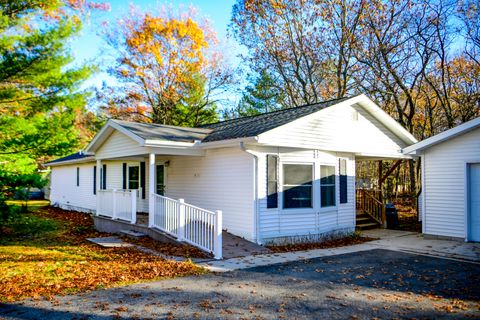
x: 40, y: 101
x: 261, y: 96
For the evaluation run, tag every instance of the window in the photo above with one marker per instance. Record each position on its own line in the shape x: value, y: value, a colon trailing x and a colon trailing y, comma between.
x: 94, y: 179
x: 133, y: 177
x: 272, y: 181
x: 103, y: 177
x: 297, y: 185
x: 327, y: 186
x: 343, y: 181
x: 78, y: 176
x: 160, y: 179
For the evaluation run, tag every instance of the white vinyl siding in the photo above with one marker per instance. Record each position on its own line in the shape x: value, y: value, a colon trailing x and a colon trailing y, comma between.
x: 444, y: 184
x: 278, y: 223
x: 64, y: 191
x: 119, y: 145
x: 221, y: 180
x: 335, y: 129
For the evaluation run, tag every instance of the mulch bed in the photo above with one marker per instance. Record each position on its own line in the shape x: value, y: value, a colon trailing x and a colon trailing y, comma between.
x: 346, y: 241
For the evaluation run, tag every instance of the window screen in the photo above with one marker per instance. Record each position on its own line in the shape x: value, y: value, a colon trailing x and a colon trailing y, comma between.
x: 327, y: 186
x: 297, y: 185
x: 272, y: 181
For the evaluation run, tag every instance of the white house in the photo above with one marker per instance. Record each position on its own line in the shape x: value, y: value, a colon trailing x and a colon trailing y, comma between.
x: 450, y: 198
x: 278, y: 176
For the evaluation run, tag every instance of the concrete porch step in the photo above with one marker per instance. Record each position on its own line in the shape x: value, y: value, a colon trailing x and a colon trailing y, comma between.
x: 132, y: 233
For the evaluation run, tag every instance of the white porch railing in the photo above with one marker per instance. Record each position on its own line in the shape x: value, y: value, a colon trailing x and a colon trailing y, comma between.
x: 196, y: 226
x: 118, y: 204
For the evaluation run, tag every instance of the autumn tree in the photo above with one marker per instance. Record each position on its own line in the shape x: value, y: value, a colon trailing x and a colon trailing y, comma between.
x: 306, y: 45
x: 168, y: 67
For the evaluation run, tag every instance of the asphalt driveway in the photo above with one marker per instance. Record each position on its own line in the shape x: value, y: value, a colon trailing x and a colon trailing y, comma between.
x: 362, y: 285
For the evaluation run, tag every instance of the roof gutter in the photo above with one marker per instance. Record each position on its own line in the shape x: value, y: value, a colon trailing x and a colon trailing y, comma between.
x: 227, y: 143
x: 67, y: 162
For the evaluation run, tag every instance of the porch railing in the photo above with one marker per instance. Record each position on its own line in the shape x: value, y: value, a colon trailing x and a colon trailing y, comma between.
x: 118, y: 204
x: 196, y: 226
x: 367, y: 201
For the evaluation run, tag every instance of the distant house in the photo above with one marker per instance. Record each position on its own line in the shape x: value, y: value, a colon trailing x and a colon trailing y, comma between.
x: 450, y: 198
x: 280, y: 176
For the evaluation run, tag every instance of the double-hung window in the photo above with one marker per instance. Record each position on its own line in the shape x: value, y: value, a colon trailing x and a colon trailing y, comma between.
x: 133, y: 177
x: 297, y: 185
x: 327, y: 186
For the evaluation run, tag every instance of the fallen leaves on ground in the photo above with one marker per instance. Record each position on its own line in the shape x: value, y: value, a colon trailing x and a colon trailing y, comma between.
x: 170, y: 249
x: 346, y: 241
x: 64, y: 262
x: 407, y: 215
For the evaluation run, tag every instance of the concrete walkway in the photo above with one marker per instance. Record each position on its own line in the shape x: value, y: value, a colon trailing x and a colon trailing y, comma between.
x: 394, y: 240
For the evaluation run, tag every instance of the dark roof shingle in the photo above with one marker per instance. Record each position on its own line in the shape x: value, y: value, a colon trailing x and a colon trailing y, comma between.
x: 152, y: 131
x: 75, y: 156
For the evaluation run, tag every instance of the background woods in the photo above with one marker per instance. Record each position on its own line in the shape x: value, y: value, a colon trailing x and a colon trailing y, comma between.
x: 417, y: 59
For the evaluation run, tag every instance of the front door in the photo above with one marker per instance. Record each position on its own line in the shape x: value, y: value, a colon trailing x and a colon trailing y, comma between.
x: 160, y: 180
x: 474, y: 202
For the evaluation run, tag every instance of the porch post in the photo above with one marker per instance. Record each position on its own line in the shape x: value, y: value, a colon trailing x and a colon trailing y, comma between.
x: 181, y: 220
x: 97, y: 186
x: 114, y: 204
x: 133, y: 195
x: 217, y: 241
x: 151, y: 189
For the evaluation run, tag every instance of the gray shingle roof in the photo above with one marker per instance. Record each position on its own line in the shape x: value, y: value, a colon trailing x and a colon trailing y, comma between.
x: 255, y: 125
x: 75, y: 156
x: 151, y: 131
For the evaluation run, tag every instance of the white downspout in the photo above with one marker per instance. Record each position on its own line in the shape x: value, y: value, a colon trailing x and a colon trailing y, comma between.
x: 255, y: 192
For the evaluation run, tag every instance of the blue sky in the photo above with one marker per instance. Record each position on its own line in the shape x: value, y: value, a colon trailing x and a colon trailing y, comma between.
x: 88, y: 47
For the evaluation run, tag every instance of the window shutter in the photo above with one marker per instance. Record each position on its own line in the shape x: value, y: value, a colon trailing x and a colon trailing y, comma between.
x: 94, y: 179
x: 124, y: 177
x: 78, y: 176
x: 104, y: 181
x: 142, y: 179
x: 272, y: 181
x: 343, y: 181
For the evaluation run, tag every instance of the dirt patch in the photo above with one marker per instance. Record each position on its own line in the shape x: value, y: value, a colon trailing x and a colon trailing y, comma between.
x: 342, y: 242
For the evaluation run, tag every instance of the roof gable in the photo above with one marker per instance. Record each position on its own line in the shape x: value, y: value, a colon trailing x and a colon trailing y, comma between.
x: 444, y: 136
x: 254, y: 125
x: 355, y: 125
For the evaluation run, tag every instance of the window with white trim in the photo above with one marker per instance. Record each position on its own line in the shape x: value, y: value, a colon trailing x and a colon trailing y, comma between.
x: 327, y: 186
x: 297, y: 185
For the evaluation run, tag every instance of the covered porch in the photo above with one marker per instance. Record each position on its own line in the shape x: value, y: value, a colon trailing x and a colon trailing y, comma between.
x: 135, y: 190
x: 372, y: 196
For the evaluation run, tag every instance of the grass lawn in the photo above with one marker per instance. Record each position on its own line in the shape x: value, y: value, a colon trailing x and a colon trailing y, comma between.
x: 44, y: 252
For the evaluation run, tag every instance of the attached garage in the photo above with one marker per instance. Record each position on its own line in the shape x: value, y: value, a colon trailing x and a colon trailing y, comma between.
x: 450, y: 198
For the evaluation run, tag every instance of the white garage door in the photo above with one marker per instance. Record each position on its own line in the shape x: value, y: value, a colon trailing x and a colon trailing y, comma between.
x: 474, y: 205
